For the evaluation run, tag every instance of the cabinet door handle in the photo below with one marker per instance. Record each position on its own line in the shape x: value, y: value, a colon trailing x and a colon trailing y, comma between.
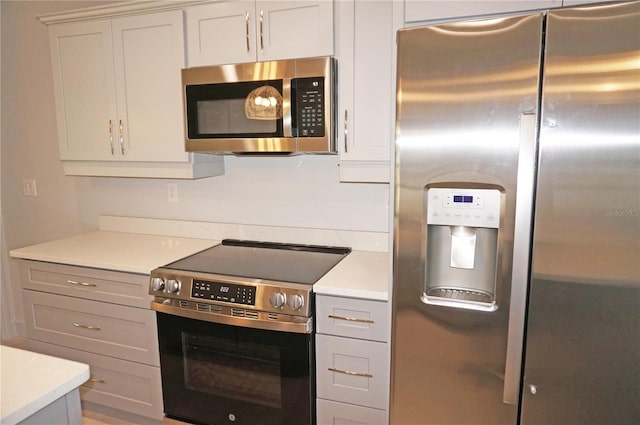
x: 346, y: 131
x: 350, y: 319
x: 246, y: 30
x: 91, y: 328
x: 73, y: 282
x: 98, y: 380
x: 348, y: 372
x: 121, y: 129
x: 113, y: 151
x: 261, y: 31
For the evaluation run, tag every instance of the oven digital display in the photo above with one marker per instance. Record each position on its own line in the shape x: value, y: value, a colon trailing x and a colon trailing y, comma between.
x: 217, y: 291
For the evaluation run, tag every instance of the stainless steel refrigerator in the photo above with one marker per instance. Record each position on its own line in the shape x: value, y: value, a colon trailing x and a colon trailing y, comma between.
x: 516, y: 293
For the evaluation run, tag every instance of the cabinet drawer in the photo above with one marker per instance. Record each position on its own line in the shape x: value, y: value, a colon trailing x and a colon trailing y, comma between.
x: 128, y: 386
x: 335, y: 413
x: 124, y: 332
x: 94, y: 284
x: 352, y: 318
x: 352, y: 371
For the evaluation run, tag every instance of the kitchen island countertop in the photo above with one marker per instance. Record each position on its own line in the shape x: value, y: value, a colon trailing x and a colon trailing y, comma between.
x: 30, y: 382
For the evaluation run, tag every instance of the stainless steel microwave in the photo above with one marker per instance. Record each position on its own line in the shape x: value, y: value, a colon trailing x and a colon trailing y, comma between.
x: 277, y: 107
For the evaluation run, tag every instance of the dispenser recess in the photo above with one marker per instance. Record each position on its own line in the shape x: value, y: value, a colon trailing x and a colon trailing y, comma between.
x: 462, y: 247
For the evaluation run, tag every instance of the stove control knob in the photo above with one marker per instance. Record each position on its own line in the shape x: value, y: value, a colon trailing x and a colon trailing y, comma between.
x: 277, y: 299
x: 173, y: 285
x: 295, y: 302
x: 157, y: 284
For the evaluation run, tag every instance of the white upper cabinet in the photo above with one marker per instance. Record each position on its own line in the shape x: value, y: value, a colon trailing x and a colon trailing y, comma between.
x: 427, y: 10
x: 84, y: 90
x: 148, y: 52
x: 366, y: 88
x: 248, y: 31
x: 118, y: 97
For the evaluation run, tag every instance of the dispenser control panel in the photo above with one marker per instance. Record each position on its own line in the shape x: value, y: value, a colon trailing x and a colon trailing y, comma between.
x: 463, y: 207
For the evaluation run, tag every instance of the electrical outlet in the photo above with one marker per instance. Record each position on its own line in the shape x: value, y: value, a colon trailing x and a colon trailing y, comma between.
x: 29, y: 187
x: 172, y: 192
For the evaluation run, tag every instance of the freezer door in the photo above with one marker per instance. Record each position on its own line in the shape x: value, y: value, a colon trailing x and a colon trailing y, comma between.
x: 582, y: 361
x: 466, y: 91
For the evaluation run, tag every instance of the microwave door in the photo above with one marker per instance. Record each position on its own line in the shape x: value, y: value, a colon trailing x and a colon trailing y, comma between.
x: 217, y: 111
x: 238, y: 117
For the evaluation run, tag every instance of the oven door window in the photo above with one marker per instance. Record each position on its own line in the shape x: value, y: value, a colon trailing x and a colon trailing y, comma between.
x: 240, y: 370
x: 217, y: 111
x: 219, y: 374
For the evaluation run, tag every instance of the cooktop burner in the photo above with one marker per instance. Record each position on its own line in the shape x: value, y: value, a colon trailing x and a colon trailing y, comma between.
x: 303, y: 264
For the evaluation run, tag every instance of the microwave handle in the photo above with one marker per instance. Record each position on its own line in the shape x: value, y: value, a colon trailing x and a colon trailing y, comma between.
x: 290, y: 126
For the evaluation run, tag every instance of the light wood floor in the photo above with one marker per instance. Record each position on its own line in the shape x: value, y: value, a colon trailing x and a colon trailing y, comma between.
x: 93, y: 414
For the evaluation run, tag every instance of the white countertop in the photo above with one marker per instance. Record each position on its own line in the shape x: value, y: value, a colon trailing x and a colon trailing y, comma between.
x: 361, y: 274
x: 30, y: 381
x: 127, y: 252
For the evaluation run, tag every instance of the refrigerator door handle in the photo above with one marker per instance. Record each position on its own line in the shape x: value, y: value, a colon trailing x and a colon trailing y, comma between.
x: 520, y: 266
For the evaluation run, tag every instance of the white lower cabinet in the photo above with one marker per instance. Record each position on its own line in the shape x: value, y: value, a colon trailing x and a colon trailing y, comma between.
x: 335, y: 413
x: 101, y: 318
x: 352, y: 361
x: 115, y: 383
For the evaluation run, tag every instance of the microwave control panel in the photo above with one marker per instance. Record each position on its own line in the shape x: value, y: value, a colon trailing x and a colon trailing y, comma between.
x: 309, y: 106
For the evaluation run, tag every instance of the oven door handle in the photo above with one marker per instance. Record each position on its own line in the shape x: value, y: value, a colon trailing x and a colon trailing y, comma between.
x: 296, y: 324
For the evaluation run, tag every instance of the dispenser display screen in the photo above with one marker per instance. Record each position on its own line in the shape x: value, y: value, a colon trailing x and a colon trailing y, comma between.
x: 463, y: 207
x: 463, y: 199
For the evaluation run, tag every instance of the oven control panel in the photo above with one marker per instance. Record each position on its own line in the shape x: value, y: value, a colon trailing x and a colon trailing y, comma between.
x: 228, y: 292
x: 198, y: 291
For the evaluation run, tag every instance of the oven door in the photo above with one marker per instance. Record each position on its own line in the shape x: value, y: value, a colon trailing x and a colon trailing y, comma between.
x: 222, y: 374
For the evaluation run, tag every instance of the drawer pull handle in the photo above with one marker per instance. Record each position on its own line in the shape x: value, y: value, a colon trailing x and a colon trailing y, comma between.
x: 350, y: 319
x: 98, y: 380
x: 91, y: 328
x: 347, y: 372
x: 73, y: 282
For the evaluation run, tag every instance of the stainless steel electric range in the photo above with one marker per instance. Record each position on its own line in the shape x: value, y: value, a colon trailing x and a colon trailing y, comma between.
x: 235, y: 331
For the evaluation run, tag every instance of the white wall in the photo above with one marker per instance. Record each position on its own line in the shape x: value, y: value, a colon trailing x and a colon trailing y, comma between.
x: 300, y: 191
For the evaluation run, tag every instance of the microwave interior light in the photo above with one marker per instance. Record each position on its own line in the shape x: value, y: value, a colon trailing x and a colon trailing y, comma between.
x: 263, y: 103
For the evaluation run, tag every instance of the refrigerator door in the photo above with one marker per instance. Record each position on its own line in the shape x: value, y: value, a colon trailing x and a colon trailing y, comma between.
x: 583, y: 347
x: 464, y: 90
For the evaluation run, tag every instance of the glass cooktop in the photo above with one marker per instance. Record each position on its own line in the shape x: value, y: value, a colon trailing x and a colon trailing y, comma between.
x: 304, y: 264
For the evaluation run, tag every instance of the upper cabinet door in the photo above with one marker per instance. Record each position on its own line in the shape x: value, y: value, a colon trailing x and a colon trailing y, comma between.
x: 148, y: 56
x: 248, y: 31
x: 420, y: 10
x: 84, y: 89
x: 220, y: 33
x: 294, y: 29
x: 365, y: 53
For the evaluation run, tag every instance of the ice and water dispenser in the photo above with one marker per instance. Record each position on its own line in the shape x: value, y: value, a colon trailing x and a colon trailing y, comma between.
x: 462, y: 247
